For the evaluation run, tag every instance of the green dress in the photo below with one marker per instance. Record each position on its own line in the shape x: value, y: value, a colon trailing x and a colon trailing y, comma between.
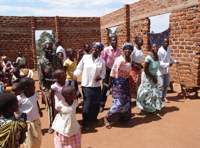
x: 147, y: 96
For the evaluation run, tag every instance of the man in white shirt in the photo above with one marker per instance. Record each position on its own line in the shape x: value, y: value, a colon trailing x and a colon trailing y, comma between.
x: 164, y: 54
x: 60, y: 49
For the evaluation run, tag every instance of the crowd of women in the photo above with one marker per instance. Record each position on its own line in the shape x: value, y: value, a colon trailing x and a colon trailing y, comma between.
x: 121, y: 73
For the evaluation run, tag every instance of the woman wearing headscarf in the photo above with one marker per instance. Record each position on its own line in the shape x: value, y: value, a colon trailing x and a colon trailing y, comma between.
x: 94, y: 70
x: 119, y: 82
x: 46, y: 66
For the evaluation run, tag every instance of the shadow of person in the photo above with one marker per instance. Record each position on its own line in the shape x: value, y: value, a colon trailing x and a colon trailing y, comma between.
x: 44, y: 131
x: 166, y: 110
x: 177, y: 98
x: 135, y: 121
x: 92, y: 125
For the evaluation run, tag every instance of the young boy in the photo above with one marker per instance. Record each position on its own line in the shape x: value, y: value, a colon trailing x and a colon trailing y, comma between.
x: 164, y: 54
x: 17, y: 75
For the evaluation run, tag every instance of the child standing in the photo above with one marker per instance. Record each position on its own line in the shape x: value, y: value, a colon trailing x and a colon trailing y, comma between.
x: 57, y: 87
x: 69, y: 67
x: 68, y: 133
x: 28, y: 103
x: 12, y: 130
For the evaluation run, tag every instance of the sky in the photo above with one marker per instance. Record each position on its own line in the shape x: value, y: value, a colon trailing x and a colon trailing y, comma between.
x: 72, y: 8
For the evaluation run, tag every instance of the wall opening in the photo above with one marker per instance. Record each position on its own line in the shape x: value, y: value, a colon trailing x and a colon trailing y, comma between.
x: 112, y: 31
x: 40, y: 37
x: 159, y: 29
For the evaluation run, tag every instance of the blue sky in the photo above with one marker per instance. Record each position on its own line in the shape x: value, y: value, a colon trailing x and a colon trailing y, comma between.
x: 73, y: 8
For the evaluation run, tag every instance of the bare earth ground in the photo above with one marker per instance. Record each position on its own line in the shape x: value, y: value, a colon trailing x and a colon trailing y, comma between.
x: 177, y: 126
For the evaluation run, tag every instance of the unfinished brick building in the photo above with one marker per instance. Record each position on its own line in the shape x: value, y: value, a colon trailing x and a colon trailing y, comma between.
x: 18, y: 33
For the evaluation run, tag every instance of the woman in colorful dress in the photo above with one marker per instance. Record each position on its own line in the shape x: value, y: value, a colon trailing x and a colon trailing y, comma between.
x: 135, y: 74
x: 119, y: 81
x: 46, y: 66
x: 147, y: 97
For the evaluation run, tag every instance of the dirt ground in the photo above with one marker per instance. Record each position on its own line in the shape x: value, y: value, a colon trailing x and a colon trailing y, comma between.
x: 177, y: 126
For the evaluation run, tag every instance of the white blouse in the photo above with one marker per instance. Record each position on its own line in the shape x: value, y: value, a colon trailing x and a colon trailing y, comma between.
x: 137, y: 55
x: 65, y: 121
x: 91, y: 69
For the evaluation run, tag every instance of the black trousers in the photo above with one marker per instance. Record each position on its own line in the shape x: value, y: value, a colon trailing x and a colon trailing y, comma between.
x: 104, y: 89
x: 91, y: 103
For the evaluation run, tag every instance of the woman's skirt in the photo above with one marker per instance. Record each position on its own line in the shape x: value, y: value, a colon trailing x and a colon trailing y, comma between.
x: 33, y: 135
x: 121, y: 106
x: 61, y: 141
x: 134, y: 82
x: 147, y: 98
x: 91, y: 102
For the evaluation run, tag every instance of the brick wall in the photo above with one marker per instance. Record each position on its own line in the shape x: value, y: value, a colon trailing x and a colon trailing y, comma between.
x: 18, y: 34
x: 184, y: 37
x: 15, y: 35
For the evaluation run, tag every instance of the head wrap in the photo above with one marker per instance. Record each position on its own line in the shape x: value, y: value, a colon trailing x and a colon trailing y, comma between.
x: 127, y: 45
x: 4, y: 57
x: 99, y: 44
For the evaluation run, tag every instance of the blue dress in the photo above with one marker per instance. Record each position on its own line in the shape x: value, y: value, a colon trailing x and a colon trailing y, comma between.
x: 147, y: 96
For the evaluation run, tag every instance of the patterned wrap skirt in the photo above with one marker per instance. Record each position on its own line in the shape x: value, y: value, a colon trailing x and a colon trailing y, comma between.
x: 121, y: 106
x: 61, y: 141
x: 147, y: 98
x: 134, y: 82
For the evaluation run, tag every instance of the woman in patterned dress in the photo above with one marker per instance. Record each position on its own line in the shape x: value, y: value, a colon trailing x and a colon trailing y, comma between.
x: 119, y: 81
x: 147, y: 97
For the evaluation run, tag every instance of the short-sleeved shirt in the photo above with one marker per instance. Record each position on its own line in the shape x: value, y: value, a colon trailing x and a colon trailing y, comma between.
x: 57, y: 88
x: 153, y: 66
x: 121, y: 68
x: 65, y: 121
x: 21, y: 60
x: 46, y: 69
x: 71, y: 67
x: 29, y: 106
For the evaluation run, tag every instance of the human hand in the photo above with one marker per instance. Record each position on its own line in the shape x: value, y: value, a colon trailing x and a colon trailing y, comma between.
x: 74, y: 78
x: 109, y: 86
x: 50, y: 102
x: 177, y: 62
x: 97, y: 78
x: 155, y: 80
x: 41, y: 113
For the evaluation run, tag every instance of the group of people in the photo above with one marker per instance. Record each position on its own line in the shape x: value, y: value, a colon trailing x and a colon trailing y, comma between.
x: 57, y: 75
x: 8, y: 70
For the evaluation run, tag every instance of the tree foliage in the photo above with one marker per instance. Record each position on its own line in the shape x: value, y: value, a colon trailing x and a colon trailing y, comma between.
x: 46, y: 36
x: 112, y: 33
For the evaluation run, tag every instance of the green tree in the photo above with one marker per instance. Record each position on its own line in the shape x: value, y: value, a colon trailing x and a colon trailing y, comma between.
x: 46, y: 36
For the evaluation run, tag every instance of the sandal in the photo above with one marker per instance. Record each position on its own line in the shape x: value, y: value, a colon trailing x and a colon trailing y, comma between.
x: 107, y: 124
